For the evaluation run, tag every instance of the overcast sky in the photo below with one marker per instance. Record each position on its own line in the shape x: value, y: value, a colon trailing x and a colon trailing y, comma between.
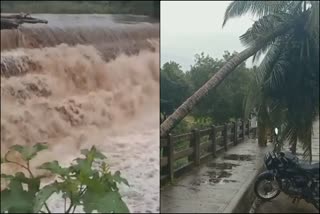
x: 191, y: 27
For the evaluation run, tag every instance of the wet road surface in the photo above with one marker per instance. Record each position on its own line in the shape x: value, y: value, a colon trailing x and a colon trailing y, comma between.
x: 212, y: 187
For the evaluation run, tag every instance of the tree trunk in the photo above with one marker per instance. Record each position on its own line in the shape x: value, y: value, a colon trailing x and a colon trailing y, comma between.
x: 263, y: 134
x: 212, y: 83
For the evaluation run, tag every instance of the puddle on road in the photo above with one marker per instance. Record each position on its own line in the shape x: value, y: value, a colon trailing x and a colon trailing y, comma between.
x: 229, y: 181
x: 213, y: 177
x: 194, y: 189
x: 221, y: 165
x: 219, y: 172
x: 239, y: 157
x: 198, y: 181
x: 218, y: 176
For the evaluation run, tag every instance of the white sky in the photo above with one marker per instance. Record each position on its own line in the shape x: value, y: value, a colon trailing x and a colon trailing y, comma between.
x: 191, y: 27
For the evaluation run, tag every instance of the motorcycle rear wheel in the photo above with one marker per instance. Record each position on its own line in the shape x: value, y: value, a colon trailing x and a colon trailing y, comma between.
x: 266, y: 182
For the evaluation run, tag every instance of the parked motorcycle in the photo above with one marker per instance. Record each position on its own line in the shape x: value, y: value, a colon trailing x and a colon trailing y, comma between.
x: 286, y: 173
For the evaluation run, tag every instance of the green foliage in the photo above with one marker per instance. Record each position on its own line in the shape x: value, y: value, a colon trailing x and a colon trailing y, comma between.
x: 226, y: 102
x: 87, y: 182
x: 28, y: 153
x: 174, y: 87
x: 183, y: 127
x: 219, y: 106
x: 257, y: 8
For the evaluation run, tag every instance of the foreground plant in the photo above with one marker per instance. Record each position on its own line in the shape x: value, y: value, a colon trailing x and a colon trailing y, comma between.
x: 87, y: 182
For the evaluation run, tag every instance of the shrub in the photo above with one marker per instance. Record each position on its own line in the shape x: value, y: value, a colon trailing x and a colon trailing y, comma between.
x: 87, y: 182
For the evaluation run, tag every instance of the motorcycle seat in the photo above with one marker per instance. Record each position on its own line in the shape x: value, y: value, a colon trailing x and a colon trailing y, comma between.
x: 313, y: 168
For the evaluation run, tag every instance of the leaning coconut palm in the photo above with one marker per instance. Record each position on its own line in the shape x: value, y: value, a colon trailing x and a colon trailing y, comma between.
x: 276, y: 19
x: 287, y: 84
x: 287, y: 95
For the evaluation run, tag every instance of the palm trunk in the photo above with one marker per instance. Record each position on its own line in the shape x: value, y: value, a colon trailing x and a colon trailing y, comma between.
x: 263, y: 135
x: 212, y: 83
x: 263, y: 126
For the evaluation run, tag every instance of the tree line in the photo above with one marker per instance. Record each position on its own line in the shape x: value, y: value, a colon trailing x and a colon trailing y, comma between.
x: 219, y: 106
x: 149, y: 8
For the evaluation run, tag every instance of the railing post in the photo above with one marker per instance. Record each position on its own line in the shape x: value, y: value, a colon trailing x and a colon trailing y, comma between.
x: 256, y: 132
x: 171, y: 157
x: 213, y: 141
x: 235, y: 134
x: 225, y: 140
x: 191, y: 145
x: 196, y: 146
x: 239, y: 131
x: 165, y: 153
x: 248, y: 120
x: 243, y: 129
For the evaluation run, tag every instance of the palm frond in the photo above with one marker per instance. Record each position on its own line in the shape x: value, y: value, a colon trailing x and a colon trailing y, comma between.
x: 304, y: 138
x: 289, y: 133
x: 257, y: 8
x: 258, y: 54
x: 264, y: 26
x: 277, y: 112
x: 255, y: 91
x: 270, y: 59
x: 275, y: 79
x: 286, y: 90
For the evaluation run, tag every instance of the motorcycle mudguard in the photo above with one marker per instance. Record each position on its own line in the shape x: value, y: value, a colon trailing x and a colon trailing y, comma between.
x: 267, y: 173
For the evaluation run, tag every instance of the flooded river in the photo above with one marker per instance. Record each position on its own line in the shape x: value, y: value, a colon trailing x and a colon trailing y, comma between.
x: 84, y: 80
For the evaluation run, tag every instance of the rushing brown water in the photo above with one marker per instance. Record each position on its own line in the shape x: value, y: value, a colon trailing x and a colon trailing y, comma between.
x: 94, y: 89
x: 80, y: 29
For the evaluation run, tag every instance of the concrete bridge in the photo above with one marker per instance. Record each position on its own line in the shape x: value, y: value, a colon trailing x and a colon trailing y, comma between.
x: 224, y: 184
x: 209, y: 184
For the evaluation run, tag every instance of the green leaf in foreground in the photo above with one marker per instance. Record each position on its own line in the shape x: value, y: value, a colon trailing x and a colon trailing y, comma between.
x: 15, y: 199
x: 108, y: 202
x: 43, y: 195
x: 55, y: 168
x: 117, y: 178
x: 27, y: 152
x: 93, y: 153
x: 87, y: 182
x: 33, y: 183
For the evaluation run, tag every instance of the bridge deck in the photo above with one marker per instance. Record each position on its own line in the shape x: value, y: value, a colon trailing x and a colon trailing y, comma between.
x: 212, y: 187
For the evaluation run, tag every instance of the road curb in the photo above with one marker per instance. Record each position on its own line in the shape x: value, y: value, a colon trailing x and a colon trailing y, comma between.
x: 245, y: 197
